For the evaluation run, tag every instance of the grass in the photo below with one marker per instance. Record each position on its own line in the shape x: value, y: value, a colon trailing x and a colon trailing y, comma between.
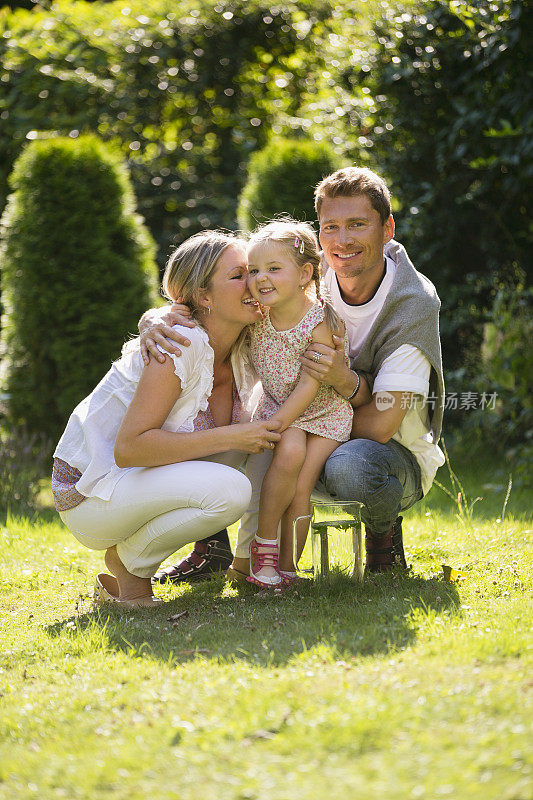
x: 403, y: 687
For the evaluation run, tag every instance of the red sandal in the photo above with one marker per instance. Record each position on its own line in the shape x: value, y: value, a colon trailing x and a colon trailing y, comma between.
x: 264, y: 555
x: 289, y: 578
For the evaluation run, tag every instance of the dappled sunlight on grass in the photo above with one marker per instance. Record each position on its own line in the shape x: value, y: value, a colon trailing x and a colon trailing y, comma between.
x: 313, y: 688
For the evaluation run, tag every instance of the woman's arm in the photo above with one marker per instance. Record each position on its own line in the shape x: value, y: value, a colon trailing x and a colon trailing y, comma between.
x: 141, y: 442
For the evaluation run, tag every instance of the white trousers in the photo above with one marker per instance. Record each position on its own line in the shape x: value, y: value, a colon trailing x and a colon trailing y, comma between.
x: 256, y: 467
x: 155, y: 511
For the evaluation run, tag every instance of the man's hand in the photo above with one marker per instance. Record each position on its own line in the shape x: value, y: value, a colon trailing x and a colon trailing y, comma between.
x: 155, y: 329
x: 331, y: 367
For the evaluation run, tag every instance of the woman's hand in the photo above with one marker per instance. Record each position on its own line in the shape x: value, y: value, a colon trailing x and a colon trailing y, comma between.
x: 155, y: 329
x: 254, y: 437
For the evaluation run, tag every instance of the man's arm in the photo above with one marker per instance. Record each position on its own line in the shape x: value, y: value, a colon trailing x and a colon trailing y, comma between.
x: 380, y: 419
x: 155, y: 328
x: 402, y: 376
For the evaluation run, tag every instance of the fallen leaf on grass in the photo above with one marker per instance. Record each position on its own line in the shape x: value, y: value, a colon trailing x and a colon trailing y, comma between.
x: 453, y: 575
x: 267, y: 734
x: 259, y: 735
x: 176, y: 617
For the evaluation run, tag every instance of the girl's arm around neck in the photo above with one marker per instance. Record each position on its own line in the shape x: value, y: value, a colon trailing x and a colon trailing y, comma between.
x: 140, y: 441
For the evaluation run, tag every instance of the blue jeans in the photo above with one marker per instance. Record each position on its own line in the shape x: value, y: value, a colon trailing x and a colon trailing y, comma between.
x: 385, y: 478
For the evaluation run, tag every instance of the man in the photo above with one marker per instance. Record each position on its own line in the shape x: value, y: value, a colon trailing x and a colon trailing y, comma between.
x: 391, y: 316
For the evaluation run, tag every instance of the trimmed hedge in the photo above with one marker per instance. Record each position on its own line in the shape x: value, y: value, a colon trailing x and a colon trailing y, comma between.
x: 187, y: 91
x: 282, y: 177
x: 78, y: 270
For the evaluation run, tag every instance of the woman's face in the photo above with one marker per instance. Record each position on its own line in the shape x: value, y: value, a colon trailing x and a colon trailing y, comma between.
x: 228, y: 295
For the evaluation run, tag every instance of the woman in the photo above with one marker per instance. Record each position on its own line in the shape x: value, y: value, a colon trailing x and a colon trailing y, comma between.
x: 133, y: 471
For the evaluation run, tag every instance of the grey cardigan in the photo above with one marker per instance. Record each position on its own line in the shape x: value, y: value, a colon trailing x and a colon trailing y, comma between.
x: 410, y: 315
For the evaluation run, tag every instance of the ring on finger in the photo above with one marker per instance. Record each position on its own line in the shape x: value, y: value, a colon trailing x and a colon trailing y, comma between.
x: 316, y: 357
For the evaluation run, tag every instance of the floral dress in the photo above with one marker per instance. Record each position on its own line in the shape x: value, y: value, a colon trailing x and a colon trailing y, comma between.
x: 276, y: 359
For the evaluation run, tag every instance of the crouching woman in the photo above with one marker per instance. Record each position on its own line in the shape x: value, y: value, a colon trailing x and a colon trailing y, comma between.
x: 139, y: 471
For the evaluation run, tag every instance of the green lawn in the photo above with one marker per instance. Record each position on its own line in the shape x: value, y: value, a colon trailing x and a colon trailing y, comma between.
x: 404, y: 687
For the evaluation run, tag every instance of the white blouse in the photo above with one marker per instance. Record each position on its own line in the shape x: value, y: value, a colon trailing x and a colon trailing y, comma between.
x: 88, y: 441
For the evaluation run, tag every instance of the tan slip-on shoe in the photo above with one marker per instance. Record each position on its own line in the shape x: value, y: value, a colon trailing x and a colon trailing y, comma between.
x: 106, y: 591
x: 235, y: 575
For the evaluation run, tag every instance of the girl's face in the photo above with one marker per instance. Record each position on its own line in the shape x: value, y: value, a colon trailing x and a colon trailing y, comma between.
x: 228, y: 296
x: 274, y: 277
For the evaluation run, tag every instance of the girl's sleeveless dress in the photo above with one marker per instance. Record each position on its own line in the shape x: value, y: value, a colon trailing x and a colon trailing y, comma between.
x: 276, y: 359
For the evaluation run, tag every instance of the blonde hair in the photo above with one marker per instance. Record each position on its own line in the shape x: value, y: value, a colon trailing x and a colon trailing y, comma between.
x: 190, y: 268
x: 288, y: 231
x: 354, y: 181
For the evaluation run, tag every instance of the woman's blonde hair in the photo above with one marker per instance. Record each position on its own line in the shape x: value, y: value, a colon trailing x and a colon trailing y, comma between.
x: 301, y: 244
x: 190, y: 268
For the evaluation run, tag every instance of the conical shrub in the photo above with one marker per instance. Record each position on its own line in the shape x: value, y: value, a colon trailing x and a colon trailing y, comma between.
x: 77, y: 271
x: 282, y: 178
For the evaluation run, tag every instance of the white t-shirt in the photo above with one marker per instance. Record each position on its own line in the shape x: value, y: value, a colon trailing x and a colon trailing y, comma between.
x: 406, y: 370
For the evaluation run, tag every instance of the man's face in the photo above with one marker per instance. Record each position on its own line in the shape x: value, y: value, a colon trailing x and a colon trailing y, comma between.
x: 352, y: 236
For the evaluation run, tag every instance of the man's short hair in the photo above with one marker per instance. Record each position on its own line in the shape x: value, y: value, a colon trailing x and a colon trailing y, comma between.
x: 354, y: 181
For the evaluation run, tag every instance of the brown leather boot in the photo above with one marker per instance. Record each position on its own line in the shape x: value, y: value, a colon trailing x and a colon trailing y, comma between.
x: 385, y: 552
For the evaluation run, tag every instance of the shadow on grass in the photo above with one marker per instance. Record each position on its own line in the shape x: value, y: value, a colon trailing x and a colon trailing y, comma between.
x: 262, y: 628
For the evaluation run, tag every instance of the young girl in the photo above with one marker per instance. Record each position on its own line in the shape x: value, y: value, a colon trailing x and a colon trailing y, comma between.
x: 284, y: 276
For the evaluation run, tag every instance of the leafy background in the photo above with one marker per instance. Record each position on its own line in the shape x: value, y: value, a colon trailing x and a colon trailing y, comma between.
x: 433, y: 95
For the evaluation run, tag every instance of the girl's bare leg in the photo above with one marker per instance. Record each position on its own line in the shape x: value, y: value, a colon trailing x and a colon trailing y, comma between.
x: 277, y: 491
x: 280, y: 481
x: 318, y: 451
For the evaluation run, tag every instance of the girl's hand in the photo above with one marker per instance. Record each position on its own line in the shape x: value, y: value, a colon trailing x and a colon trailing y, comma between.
x: 254, y: 437
x: 331, y: 367
x: 155, y: 328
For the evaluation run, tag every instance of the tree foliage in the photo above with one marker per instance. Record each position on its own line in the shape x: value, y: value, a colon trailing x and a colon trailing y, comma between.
x: 78, y: 270
x: 452, y: 82
x: 432, y: 95
x: 188, y: 92
x: 507, y: 367
x: 282, y: 177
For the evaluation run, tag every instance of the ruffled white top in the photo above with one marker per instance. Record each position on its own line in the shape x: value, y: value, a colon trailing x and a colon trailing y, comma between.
x: 88, y: 441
